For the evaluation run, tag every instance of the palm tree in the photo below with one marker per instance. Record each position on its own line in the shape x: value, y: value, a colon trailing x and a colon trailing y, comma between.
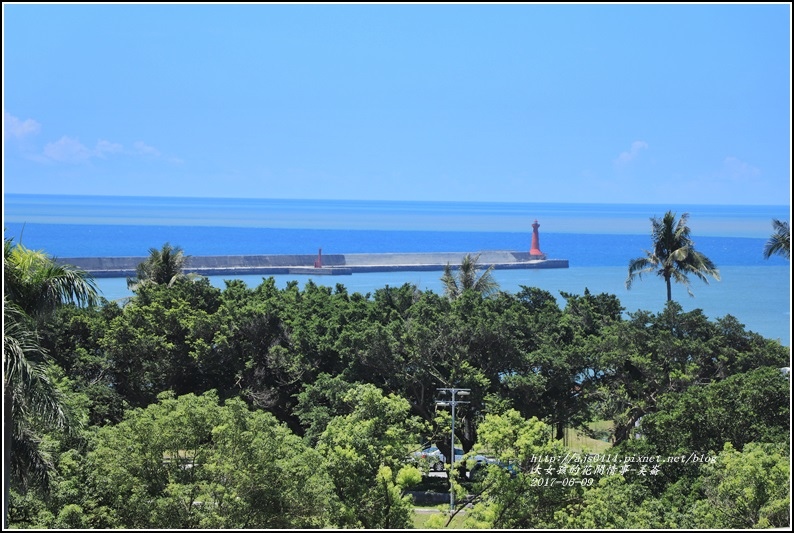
x: 34, y: 285
x: 467, y: 278
x: 674, y: 256
x: 29, y: 395
x: 162, y: 267
x: 779, y: 242
x: 37, y: 284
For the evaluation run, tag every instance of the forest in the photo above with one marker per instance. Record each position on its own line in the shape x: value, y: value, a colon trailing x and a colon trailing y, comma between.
x: 193, y: 406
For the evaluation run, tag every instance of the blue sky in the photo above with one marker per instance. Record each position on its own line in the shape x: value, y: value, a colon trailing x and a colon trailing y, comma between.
x: 519, y: 103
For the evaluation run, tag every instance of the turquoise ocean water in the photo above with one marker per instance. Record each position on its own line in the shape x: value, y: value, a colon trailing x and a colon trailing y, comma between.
x: 597, y: 239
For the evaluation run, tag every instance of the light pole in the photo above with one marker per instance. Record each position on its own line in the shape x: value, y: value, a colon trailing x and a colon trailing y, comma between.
x: 452, y: 403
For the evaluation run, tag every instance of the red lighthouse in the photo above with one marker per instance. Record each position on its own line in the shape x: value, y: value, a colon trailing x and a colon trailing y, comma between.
x: 535, y: 252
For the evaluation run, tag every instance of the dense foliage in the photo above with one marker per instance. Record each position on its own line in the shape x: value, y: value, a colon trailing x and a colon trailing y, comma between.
x: 262, y: 407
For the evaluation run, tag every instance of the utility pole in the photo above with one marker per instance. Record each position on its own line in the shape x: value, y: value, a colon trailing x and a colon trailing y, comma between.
x: 452, y: 403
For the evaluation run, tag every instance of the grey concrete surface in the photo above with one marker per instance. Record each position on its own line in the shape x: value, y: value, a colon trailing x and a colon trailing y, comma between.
x: 333, y: 264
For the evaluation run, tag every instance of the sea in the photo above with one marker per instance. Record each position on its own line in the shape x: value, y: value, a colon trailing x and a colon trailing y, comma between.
x: 598, y: 240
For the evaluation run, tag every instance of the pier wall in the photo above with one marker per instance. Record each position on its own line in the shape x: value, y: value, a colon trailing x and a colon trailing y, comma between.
x: 112, y: 267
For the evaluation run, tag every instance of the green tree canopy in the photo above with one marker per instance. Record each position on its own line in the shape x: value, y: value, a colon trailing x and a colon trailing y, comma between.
x: 743, y: 408
x: 190, y: 462
x: 364, y: 450
x: 348, y: 382
x: 746, y: 489
x: 518, y: 502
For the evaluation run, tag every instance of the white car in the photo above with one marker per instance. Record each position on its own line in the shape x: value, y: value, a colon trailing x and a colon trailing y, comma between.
x: 435, y: 458
x: 481, y: 463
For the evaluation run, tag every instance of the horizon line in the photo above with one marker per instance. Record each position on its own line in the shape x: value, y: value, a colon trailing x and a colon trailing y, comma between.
x: 380, y: 200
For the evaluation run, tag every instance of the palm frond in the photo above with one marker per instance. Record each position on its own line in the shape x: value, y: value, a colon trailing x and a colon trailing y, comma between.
x: 25, y: 376
x: 467, y: 278
x: 31, y: 464
x: 38, y: 284
x: 779, y: 242
x: 162, y: 267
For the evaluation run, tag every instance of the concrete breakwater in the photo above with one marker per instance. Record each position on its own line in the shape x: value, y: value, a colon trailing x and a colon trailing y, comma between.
x: 332, y: 264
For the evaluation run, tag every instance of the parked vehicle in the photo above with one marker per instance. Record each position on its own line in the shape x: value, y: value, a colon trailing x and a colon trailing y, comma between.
x: 479, y: 469
x: 434, y: 458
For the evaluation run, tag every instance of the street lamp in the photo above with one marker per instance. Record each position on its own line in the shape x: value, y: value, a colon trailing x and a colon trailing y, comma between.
x: 442, y: 403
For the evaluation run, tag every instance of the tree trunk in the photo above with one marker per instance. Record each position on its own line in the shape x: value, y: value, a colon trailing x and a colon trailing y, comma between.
x: 560, y: 435
x: 623, y: 432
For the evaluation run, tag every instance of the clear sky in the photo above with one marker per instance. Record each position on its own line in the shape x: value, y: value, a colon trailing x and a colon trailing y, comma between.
x: 514, y: 102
